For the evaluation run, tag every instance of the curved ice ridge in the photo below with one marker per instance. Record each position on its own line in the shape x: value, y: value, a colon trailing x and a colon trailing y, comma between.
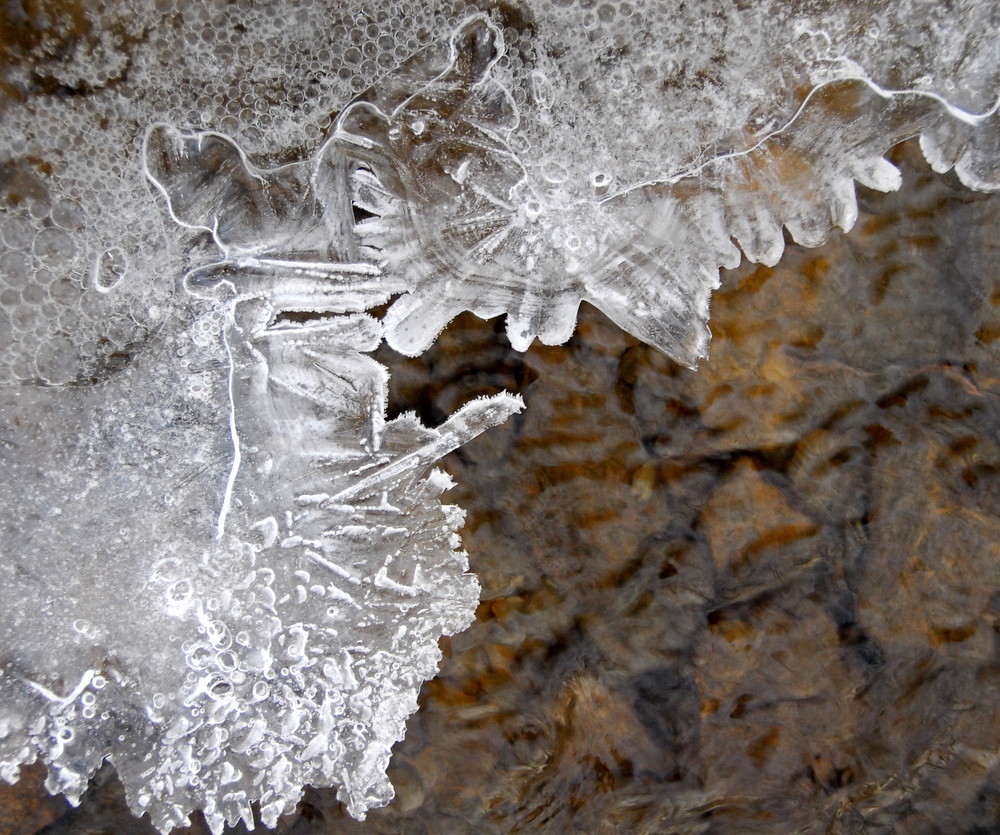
x: 460, y: 223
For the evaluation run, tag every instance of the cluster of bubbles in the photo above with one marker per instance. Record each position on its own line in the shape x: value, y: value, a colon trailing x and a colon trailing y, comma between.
x: 88, y: 263
x: 609, y: 94
x: 48, y: 320
x: 615, y: 94
x: 622, y: 82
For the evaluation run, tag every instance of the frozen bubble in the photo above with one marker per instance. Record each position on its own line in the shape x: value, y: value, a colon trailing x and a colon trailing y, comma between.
x: 15, y: 269
x: 226, y: 661
x: 23, y: 316
x: 64, y: 291
x: 109, y: 269
x: 34, y: 294
x: 600, y: 181
x: 180, y: 592
x: 68, y: 215
x: 219, y: 687
x: 201, y: 657
x: 57, y: 363
x: 555, y: 172
x: 17, y: 232
x: 38, y: 209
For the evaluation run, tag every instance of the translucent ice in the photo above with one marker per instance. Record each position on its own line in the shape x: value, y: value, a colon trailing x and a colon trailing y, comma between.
x: 471, y: 225
x: 247, y: 568
x: 223, y: 569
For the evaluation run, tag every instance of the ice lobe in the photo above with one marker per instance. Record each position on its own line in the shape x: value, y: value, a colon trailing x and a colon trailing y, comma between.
x: 604, y: 98
x: 473, y: 225
x: 255, y: 614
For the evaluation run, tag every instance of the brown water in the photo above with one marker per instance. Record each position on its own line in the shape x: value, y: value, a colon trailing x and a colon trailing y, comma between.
x: 759, y: 597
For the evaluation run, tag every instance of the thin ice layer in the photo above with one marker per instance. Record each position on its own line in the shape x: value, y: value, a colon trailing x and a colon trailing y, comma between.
x: 606, y: 96
x: 252, y: 615
x: 294, y: 563
x: 471, y: 226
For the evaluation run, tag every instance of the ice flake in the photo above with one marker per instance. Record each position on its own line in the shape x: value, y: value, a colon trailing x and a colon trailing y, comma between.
x: 260, y: 566
x: 471, y: 225
x: 238, y: 672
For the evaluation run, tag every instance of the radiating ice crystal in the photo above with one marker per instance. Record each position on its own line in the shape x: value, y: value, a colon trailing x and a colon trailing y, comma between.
x: 247, y: 568
x: 473, y: 226
x: 223, y: 569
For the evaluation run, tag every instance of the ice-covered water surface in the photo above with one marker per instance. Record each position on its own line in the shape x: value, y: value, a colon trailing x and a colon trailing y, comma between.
x: 591, y: 101
x: 226, y: 571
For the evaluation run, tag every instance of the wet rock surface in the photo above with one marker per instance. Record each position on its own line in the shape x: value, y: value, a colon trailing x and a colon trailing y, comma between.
x: 761, y: 596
